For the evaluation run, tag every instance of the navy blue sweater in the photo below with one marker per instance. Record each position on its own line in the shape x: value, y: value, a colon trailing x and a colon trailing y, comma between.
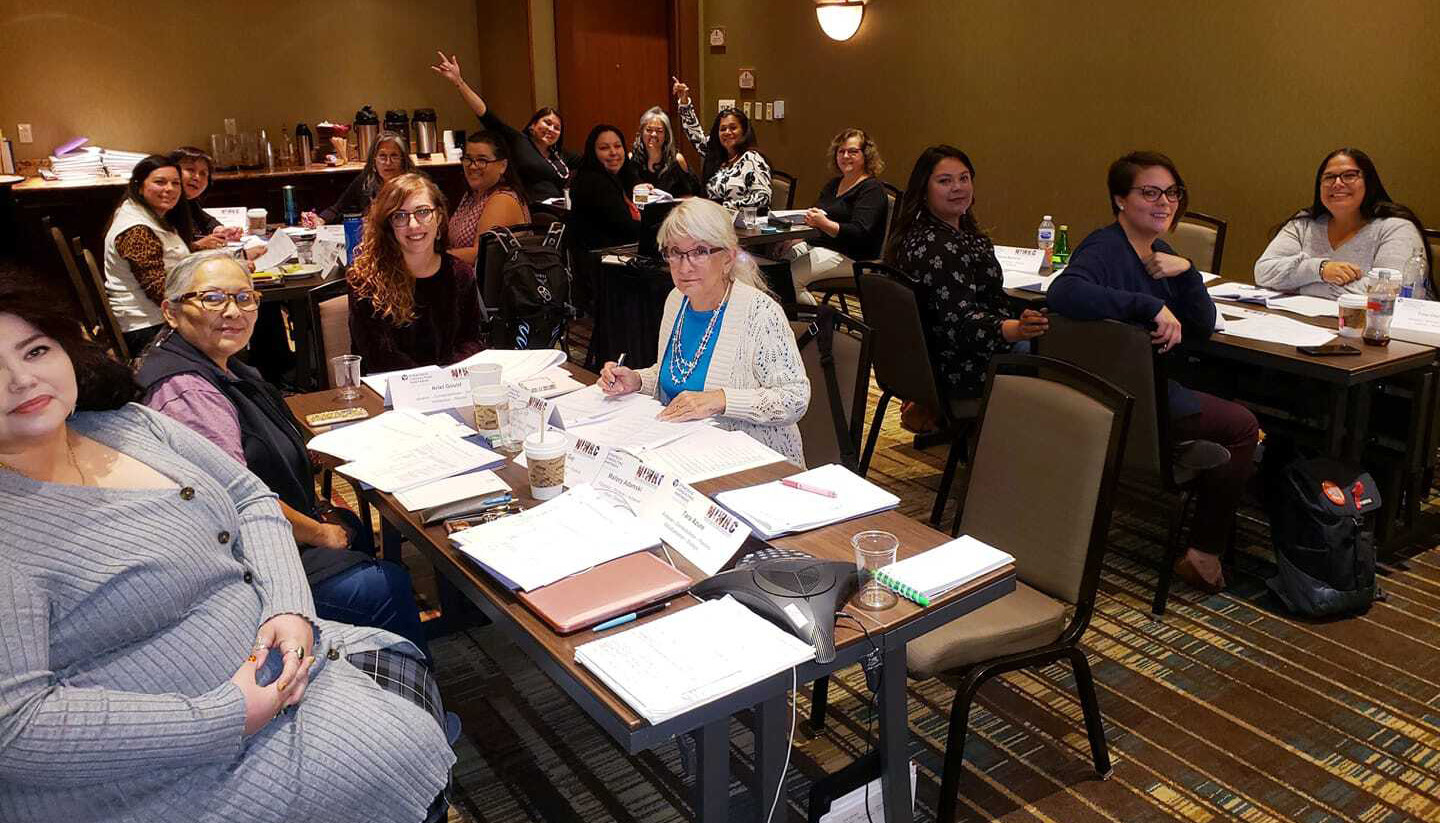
x: 1106, y: 280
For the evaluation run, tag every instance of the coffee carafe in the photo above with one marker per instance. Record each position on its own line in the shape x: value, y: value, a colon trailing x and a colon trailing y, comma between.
x: 426, y: 138
x: 398, y: 121
x: 367, y: 128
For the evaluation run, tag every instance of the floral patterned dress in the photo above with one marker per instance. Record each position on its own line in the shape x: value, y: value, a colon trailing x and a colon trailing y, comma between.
x: 962, y: 297
x: 745, y: 181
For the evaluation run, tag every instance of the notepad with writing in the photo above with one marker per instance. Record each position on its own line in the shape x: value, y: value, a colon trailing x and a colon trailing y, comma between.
x: 773, y: 509
x: 932, y: 573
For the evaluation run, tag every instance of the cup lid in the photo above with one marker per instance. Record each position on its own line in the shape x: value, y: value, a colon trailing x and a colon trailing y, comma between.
x: 553, y: 445
x: 1352, y: 301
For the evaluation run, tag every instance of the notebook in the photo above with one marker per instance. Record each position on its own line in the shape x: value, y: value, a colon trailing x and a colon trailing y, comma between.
x: 932, y: 573
x: 606, y: 591
x: 773, y: 509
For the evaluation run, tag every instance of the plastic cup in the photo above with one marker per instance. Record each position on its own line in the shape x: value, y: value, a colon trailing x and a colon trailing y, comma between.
x: 546, y: 461
x: 255, y: 220
x: 749, y: 217
x: 874, y: 550
x: 1352, y: 315
x: 346, y: 368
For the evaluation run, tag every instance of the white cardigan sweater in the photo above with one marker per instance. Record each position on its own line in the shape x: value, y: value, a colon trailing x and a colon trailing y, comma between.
x: 756, y: 363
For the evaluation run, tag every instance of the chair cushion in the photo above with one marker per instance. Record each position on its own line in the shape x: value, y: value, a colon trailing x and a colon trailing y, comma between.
x: 1020, y: 621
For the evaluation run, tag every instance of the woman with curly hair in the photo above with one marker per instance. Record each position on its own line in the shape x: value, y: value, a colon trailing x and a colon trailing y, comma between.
x: 410, y: 305
x: 849, y: 213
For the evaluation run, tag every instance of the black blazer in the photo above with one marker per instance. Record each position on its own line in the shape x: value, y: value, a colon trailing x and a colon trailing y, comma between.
x: 600, y: 213
x: 542, y: 180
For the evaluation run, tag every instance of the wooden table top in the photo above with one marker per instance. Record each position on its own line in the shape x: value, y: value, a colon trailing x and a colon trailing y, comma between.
x: 40, y: 184
x: 830, y: 542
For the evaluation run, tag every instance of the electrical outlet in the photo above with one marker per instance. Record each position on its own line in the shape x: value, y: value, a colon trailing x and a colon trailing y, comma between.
x: 769, y: 111
x: 779, y: 109
x: 727, y: 104
x: 747, y: 108
x: 230, y: 127
x: 26, y: 134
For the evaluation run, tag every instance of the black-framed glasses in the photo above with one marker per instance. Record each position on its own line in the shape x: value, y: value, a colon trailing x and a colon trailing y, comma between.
x: 849, y: 151
x: 477, y: 162
x: 1349, y: 177
x: 1152, y: 194
x: 423, y: 215
x: 697, y: 255
x: 218, y: 299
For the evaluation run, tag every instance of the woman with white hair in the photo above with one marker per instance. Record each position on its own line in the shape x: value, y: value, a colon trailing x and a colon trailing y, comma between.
x: 661, y: 164
x: 192, y: 376
x: 727, y: 351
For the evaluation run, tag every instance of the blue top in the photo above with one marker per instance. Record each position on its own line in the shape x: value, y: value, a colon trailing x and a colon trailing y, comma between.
x: 1106, y: 280
x: 690, y: 334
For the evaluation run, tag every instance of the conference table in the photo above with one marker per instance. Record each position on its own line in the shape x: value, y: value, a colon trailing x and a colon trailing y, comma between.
x: 1348, y: 386
x: 630, y: 293
x: 888, y: 633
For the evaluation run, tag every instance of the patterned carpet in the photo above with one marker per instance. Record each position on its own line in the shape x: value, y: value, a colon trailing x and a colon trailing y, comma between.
x: 1226, y: 710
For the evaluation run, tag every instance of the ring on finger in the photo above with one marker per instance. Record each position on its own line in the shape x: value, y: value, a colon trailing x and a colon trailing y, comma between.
x: 298, y: 651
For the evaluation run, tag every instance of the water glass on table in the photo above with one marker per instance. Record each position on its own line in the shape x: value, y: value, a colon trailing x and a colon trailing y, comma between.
x: 750, y: 217
x: 874, y: 550
x: 346, y: 368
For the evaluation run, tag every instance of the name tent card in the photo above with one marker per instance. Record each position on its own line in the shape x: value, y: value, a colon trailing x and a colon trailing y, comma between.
x: 431, y: 391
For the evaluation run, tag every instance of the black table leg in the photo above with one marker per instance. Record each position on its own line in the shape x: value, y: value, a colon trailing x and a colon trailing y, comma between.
x: 1335, y: 434
x: 712, y: 772
x: 895, y: 738
x: 772, y: 740
x: 309, y: 358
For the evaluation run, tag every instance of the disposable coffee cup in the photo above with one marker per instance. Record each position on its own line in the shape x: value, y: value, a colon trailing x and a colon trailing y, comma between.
x: 491, y: 402
x: 546, y: 460
x: 1352, y: 315
x: 255, y: 221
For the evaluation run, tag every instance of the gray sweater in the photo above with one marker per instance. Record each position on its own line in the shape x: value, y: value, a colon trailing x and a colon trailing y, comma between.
x: 123, y: 615
x: 1292, y: 260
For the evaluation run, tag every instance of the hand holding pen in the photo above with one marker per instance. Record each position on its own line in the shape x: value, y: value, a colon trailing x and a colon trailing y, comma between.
x: 616, y: 380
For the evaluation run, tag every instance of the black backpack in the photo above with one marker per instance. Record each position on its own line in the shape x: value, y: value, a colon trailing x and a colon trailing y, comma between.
x: 533, y: 291
x: 1324, y: 548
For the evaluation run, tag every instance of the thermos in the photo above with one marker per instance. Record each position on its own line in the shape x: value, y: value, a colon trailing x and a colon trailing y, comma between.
x: 398, y: 121
x: 354, y: 227
x: 367, y: 128
x: 304, y: 146
x: 426, y: 143
x: 292, y: 211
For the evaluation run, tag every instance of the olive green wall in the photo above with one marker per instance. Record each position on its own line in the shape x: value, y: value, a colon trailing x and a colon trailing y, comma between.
x: 1245, y: 96
x: 153, y: 75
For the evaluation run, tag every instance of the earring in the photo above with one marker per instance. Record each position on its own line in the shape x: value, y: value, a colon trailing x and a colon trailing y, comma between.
x: 1122, y: 207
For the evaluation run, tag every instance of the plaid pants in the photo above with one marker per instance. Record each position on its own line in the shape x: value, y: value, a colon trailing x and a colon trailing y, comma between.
x: 403, y: 675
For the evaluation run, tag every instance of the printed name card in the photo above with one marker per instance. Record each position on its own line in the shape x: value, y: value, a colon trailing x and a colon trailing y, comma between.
x: 1416, y: 321
x: 1019, y: 260
x: 431, y: 391
x: 699, y: 528
x: 622, y: 476
x: 583, y: 461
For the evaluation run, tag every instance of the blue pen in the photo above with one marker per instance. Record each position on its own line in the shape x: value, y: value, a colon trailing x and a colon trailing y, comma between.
x: 631, y: 617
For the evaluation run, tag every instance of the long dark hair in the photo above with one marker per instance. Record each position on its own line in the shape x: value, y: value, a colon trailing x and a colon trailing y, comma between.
x: 916, y: 197
x: 715, y: 154
x: 501, y: 149
x: 1375, y: 204
x: 372, y: 180
x: 177, y: 218
x: 1121, y: 178
x: 626, y: 177
x: 546, y: 111
x: 104, y: 383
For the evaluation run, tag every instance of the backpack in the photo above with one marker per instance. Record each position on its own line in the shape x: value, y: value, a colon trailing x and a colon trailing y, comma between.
x: 1324, y: 548
x: 534, y: 291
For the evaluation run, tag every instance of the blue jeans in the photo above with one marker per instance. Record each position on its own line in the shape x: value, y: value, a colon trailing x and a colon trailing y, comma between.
x: 374, y: 593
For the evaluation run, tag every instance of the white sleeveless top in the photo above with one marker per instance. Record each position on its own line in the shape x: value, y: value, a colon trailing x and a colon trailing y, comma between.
x: 128, y: 301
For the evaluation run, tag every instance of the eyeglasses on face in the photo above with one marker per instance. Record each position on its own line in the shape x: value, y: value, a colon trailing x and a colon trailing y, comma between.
x: 401, y: 218
x: 849, y: 151
x: 1152, y: 194
x: 477, y: 162
x: 697, y: 255
x: 387, y: 158
x: 218, y: 299
x: 1349, y: 177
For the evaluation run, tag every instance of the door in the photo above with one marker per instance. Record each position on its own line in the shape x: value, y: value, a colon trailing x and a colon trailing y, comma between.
x: 613, y: 61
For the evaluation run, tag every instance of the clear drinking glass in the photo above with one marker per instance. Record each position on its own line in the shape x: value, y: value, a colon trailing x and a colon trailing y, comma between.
x: 749, y: 217
x: 874, y: 550
x: 346, y: 368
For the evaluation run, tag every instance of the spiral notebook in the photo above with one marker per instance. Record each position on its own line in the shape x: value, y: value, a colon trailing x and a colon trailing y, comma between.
x: 932, y: 573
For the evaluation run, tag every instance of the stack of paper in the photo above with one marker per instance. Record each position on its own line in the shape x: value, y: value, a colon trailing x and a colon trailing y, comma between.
x: 1273, y: 328
x: 1305, y: 304
x: 691, y: 657
x: 590, y: 404
x: 773, y: 509
x: 80, y: 164
x: 402, y: 449
x: 851, y: 807
x: 636, y: 430
x: 931, y: 573
x: 564, y: 536
x: 553, y: 382
x: 708, y: 453
x: 1242, y: 293
x: 451, y: 489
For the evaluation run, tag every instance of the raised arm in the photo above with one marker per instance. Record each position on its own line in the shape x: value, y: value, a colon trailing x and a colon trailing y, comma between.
x: 689, y: 121
x: 449, y: 68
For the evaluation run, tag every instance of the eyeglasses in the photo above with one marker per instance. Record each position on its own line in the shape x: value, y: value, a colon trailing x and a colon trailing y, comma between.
x: 697, y: 255
x: 1152, y: 194
x: 477, y: 162
x: 217, y: 299
x: 387, y: 159
x: 657, y: 131
x: 850, y: 151
x: 1349, y: 177
x: 401, y: 219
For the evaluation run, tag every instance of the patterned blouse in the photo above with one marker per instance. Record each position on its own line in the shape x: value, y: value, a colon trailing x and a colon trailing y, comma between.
x: 962, y: 296
x: 745, y: 181
x: 146, y: 255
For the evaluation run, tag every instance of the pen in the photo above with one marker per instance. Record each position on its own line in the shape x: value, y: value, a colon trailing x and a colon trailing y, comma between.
x: 806, y: 487
x: 631, y: 617
x: 618, y: 363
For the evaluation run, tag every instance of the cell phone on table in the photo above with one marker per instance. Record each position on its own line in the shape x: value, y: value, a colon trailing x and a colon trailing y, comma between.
x: 1328, y: 350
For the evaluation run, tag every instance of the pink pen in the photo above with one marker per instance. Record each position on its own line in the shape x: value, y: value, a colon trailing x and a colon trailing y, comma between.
x: 805, y: 487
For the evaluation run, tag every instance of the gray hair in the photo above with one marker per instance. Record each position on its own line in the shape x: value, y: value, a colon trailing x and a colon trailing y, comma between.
x: 710, y: 223
x: 667, y: 146
x: 179, y: 280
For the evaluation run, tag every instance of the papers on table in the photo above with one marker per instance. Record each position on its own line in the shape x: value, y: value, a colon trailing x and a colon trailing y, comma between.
x: 279, y: 250
x: 710, y: 452
x: 590, y: 404
x: 948, y: 566
x: 773, y: 509
x: 396, y: 430
x: 564, y: 536
x: 1242, y: 293
x: 430, y: 390
x: 515, y: 365
x: 423, y: 462
x: 1273, y: 328
x: 691, y: 657
x: 551, y: 383
x: 1017, y: 260
x: 1416, y: 321
x: 1029, y: 282
x: 1305, y: 304
x: 232, y: 217
x: 451, y: 489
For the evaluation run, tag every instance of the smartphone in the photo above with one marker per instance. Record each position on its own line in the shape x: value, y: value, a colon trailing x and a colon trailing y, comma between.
x: 1328, y: 350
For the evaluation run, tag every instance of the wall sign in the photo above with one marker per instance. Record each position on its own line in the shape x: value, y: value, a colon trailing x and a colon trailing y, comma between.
x: 747, y: 78
x: 717, y: 36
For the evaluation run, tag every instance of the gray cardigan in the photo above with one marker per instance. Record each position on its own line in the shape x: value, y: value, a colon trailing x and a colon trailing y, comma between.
x: 1292, y: 260
x: 123, y: 615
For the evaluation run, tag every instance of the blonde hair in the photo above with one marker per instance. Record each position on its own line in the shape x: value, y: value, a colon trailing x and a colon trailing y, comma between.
x: 708, y: 222
x: 874, y: 163
x: 379, y: 273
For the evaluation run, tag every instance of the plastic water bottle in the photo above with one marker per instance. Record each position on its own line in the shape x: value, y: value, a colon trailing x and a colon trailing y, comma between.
x: 1045, y: 239
x: 1412, y: 278
x: 1380, y: 289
